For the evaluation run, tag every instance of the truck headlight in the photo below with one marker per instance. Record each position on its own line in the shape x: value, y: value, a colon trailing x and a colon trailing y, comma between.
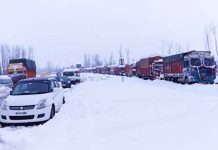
x: 4, y: 105
x: 42, y: 104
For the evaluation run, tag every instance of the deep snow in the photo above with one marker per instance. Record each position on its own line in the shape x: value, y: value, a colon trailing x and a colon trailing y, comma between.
x: 103, y: 113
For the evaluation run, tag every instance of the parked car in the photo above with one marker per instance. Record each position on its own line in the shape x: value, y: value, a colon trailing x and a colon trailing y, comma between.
x: 4, y: 92
x: 65, y: 82
x: 33, y: 100
x: 73, y: 75
x: 6, y: 81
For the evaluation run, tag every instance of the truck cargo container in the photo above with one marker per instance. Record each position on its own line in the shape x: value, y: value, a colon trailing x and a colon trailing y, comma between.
x: 149, y: 68
x: 21, y: 69
x: 190, y: 67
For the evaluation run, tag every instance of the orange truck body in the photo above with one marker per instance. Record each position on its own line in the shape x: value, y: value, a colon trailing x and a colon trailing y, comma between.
x: 21, y: 69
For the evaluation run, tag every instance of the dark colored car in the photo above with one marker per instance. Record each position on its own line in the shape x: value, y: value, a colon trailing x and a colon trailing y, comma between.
x: 65, y: 81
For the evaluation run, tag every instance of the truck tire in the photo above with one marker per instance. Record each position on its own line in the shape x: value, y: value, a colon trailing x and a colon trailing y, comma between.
x: 187, y: 81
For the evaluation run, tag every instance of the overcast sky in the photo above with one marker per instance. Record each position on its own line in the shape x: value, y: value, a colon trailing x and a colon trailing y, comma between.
x: 62, y: 31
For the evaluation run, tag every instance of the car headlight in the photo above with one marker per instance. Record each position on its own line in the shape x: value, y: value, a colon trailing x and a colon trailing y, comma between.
x: 68, y: 82
x: 4, y: 105
x: 42, y: 104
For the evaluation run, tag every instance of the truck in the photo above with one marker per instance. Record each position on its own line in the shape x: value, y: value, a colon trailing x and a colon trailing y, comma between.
x: 128, y: 70
x: 190, y: 67
x: 21, y: 69
x: 149, y: 68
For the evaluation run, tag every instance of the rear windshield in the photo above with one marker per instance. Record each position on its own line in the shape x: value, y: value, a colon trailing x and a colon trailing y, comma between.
x: 5, y: 81
x: 28, y: 88
x: 68, y: 73
x: 208, y: 62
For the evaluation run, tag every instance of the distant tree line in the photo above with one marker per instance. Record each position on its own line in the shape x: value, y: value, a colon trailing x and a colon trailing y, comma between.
x: 96, y: 60
x: 8, y: 52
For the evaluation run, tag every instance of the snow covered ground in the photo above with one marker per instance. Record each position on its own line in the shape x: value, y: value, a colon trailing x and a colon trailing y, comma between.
x: 103, y: 113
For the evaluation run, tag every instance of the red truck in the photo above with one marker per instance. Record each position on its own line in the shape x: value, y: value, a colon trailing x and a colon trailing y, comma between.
x: 21, y: 69
x: 149, y: 68
x: 190, y: 67
x: 128, y: 70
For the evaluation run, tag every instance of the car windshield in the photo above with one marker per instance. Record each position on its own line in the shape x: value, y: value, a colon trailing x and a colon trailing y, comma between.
x: 28, y: 88
x: 195, y: 62
x: 65, y: 78
x: 68, y: 73
x: 208, y: 61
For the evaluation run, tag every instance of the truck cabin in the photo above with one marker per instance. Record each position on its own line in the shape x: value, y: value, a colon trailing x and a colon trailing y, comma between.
x: 199, y: 60
x: 157, y: 67
x: 16, y: 69
x: 121, y: 70
x: 200, y: 66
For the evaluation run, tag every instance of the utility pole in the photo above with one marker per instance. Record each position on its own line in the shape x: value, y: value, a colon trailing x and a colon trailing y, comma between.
x: 121, y: 61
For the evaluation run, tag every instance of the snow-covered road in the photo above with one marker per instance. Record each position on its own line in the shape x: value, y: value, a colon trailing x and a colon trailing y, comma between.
x: 105, y: 114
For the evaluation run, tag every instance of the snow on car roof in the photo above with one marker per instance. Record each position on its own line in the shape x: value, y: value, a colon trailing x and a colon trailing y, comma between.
x: 4, y: 77
x: 70, y: 70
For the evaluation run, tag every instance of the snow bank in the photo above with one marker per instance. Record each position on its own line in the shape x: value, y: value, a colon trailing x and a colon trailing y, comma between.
x: 105, y: 114
x: 4, y: 92
x: 93, y: 77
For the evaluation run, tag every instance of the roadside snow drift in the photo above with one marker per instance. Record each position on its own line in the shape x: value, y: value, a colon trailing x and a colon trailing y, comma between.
x: 103, y: 113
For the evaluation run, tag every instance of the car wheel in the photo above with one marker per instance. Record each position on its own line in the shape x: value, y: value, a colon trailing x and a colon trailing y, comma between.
x: 52, y: 114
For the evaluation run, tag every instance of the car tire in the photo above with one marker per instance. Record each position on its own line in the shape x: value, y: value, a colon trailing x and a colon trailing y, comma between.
x: 52, y: 114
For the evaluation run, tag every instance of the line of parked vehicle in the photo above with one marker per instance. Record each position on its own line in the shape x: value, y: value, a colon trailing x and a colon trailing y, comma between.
x: 36, y: 100
x: 189, y: 67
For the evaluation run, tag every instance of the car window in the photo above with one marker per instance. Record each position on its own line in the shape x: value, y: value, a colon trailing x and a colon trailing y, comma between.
x: 56, y: 84
x: 52, y: 85
x: 28, y: 88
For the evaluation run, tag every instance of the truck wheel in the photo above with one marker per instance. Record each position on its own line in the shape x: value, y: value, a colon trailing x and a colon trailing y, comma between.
x: 187, y: 81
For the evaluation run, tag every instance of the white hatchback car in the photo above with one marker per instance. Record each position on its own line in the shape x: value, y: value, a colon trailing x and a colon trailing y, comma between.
x: 32, y: 100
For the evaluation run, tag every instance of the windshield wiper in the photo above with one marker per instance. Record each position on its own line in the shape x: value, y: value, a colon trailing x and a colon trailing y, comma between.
x: 40, y: 92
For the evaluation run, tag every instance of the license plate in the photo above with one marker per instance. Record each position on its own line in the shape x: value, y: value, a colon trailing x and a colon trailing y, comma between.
x: 21, y: 113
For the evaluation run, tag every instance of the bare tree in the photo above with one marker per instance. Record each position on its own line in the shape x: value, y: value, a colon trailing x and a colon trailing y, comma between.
x: 207, y: 39
x: 50, y: 67
x: 163, y: 45
x: 120, y: 52
x: 5, y: 56
x: 170, y: 47
x: 89, y: 61
x: 30, y: 54
x: 213, y: 29
x: 23, y: 53
x: 96, y: 60
x: 127, y: 55
x: 16, y: 52
x: 111, y: 59
x: 187, y: 46
x: 85, y: 61
x: 178, y: 48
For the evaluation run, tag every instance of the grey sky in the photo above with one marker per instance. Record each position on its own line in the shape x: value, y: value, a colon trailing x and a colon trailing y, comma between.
x: 61, y: 31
